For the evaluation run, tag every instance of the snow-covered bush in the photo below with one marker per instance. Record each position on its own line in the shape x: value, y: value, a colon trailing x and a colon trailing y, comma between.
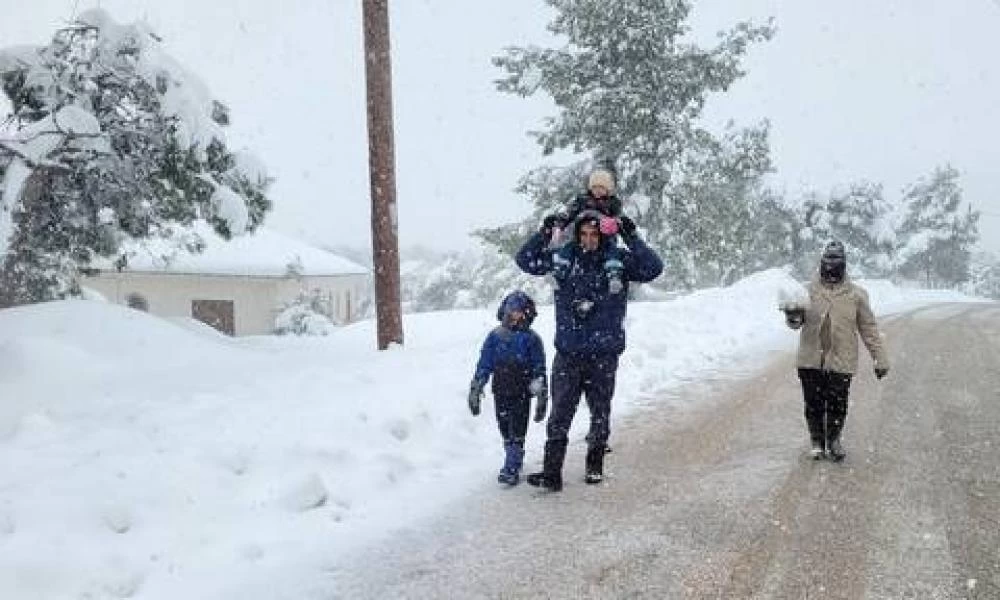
x: 474, y: 279
x: 308, y: 314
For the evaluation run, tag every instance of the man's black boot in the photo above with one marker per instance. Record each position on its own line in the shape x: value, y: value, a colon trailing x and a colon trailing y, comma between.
x: 595, y: 464
x: 550, y: 476
x: 817, y: 451
x: 541, y: 479
x: 836, y: 450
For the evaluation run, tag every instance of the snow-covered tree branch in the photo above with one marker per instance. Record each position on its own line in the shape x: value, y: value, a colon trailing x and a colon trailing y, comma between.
x: 110, y: 139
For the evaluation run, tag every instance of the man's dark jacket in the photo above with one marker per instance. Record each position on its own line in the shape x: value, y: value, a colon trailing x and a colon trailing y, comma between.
x: 589, y: 319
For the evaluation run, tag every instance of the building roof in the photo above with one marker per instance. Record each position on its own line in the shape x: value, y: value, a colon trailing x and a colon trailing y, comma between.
x: 264, y: 253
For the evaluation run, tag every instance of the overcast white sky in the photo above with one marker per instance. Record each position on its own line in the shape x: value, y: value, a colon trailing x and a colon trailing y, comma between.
x: 854, y: 89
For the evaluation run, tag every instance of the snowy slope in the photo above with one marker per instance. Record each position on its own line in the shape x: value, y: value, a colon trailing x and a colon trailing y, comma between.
x: 142, y: 458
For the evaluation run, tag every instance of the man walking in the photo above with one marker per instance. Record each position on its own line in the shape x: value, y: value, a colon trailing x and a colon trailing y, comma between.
x: 590, y: 334
x: 838, y: 313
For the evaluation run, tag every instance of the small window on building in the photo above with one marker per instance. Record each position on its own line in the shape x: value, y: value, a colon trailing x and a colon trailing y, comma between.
x: 137, y: 301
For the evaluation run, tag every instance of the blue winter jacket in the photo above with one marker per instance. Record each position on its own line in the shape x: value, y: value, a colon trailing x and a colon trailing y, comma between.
x: 514, y: 357
x: 589, y: 319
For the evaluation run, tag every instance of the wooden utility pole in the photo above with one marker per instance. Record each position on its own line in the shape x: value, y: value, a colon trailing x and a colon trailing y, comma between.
x: 382, y: 172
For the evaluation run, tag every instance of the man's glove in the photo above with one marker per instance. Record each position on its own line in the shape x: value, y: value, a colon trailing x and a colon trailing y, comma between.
x: 627, y: 226
x: 550, y: 222
x: 475, y: 396
x: 795, y: 317
x: 540, y: 391
x: 881, y: 372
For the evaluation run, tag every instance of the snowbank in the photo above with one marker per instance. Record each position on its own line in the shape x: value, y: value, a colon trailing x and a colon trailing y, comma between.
x: 140, y: 457
x: 146, y: 458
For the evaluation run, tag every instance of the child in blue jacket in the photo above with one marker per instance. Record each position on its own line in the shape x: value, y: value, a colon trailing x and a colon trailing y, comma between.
x: 515, y: 357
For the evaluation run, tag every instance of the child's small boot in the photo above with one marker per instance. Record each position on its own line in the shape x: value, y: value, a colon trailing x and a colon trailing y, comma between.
x: 510, y: 473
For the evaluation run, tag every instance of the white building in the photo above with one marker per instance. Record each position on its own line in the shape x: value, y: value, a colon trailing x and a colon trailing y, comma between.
x: 237, y: 286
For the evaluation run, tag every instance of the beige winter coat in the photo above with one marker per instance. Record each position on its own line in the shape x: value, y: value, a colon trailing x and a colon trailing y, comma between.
x: 837, y: 314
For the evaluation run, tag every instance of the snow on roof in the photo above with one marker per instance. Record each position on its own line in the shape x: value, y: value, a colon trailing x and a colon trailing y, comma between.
x: 264, y: 253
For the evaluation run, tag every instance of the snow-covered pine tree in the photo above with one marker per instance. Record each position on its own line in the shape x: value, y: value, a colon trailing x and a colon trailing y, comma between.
x: 984, y: 277
x: 630, y: 89
x: 812, y: 231
x: 548, y: 188
x: 715, y: 199
x: 860, y: 218
x: 938, y: 231
x: 443, y: 285
x: 111, y: 139
x: 453, y: 280
x: 773, y: 241
x: 494, y: 275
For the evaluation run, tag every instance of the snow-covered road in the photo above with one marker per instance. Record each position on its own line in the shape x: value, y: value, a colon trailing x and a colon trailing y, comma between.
x: 721, y: 502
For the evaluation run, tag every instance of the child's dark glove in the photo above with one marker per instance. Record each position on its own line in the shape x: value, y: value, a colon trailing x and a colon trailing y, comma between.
x: 475, y: 396
x: 627, y: 226
x: 881, y: 372
x: 540, y: 391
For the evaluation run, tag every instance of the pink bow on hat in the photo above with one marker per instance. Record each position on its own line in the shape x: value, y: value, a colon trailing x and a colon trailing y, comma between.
x: 608, y: 226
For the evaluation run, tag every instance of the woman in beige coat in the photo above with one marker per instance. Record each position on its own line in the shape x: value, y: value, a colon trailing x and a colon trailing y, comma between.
x: 837, y: 314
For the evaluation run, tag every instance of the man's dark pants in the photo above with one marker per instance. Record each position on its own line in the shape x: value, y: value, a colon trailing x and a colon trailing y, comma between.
x: 825, y: 395
x: 573, y: 375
